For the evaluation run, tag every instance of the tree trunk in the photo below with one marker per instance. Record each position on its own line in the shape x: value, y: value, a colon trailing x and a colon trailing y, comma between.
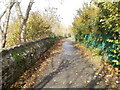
x: 3, y: 31
x: 23, y: 32
x: 1, y: 38
x: 23, y: 20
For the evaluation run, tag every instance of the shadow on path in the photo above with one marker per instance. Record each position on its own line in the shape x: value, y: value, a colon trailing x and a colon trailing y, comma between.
x: 94, y: 81
x: 64, y: 64
x: 77, y: 70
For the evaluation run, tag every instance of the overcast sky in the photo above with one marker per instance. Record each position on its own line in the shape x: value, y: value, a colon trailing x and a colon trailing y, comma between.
x: 66, y: 9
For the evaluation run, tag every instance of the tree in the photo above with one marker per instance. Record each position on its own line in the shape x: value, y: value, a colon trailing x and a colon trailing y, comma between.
x: 37, y: 27
x: 23, y: 19
x: 84, y: 22
x: 53, y: 18
x: 4, y: 25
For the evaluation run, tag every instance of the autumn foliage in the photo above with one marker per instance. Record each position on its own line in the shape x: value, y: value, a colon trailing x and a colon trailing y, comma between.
x: 97, y: 26
x: 37, y: 27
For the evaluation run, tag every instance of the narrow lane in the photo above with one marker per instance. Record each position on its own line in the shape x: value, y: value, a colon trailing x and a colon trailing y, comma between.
x: 67, y: 69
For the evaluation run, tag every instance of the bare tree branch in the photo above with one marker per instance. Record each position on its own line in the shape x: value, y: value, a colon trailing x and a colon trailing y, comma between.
x: 3, y: 13
x: 23, y: 19
x: 8, y: 11
x: 18, y: 10
x: 3, y: 31
x: 28, y: 10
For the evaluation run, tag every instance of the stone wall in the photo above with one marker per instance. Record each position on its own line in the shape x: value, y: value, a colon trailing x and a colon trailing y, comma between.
x: 15, y: 60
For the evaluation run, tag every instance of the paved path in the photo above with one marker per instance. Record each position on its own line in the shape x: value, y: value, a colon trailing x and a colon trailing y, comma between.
x: 66, y: 69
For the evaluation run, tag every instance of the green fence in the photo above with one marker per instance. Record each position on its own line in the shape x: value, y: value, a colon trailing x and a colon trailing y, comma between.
x: 101, y: 41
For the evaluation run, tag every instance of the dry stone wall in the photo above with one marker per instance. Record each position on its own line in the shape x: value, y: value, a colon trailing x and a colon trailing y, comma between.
x: 15, y: 60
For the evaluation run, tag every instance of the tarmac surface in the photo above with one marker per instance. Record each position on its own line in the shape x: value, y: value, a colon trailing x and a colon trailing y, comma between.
x: 67, y: 69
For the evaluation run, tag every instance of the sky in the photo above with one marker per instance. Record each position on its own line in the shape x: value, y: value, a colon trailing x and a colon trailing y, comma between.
x: 66, y: 9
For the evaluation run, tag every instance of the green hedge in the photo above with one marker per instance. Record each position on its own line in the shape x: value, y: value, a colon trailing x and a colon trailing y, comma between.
x: 101, y: 41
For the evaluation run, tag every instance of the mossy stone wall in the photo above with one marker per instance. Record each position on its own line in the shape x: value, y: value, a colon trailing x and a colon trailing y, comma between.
x: 15, y: 60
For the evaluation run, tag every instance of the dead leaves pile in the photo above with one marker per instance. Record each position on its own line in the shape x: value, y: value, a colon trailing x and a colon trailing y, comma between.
x: 109, y: 75
x: 83, y: 50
